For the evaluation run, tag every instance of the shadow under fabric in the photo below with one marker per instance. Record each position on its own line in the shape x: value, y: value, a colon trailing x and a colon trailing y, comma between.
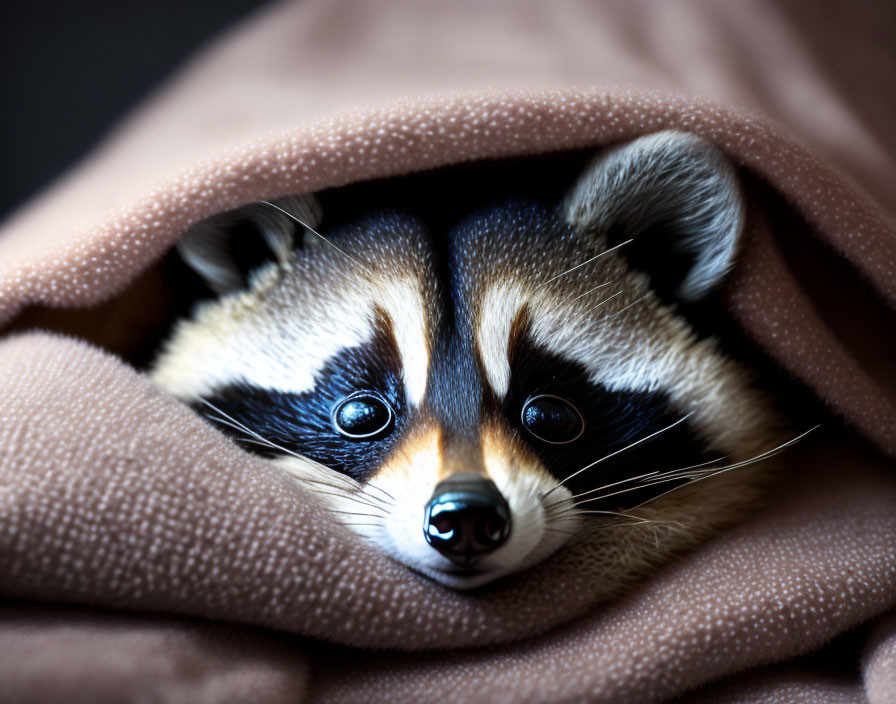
x: 142, y: 554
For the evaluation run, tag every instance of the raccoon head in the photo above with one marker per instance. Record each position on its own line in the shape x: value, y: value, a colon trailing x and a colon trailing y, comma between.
x: 473, y: 399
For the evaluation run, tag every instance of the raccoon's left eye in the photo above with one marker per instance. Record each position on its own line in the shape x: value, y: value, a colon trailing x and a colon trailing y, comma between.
x: 552, y: 419
x: 363, y: 415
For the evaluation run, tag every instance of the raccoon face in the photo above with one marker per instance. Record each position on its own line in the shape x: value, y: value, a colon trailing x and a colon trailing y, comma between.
x: 472, y: 400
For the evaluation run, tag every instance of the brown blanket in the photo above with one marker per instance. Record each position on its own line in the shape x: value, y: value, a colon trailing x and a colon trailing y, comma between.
x: 143, y: 557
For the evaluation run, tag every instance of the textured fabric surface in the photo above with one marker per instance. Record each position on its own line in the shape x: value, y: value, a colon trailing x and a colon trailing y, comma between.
x: 879, y: 663
x: 115, y: 497
x: 118, y: 657
x: 784, y: 687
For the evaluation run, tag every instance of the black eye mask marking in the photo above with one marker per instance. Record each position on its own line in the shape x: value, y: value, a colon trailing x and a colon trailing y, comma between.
x: 613, y: 420
x: 303, y: 423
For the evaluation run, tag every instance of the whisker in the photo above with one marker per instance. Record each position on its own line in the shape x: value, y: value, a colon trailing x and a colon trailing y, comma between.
x: 242, y: 429
x: 695, y: 466
x: 641, y: 477
x: 234, y: 423
x: 590, y: 530
x: 608, y: 299
x: 622, y: 310
x: 347, y: 486
x: 250, y: 440
x: 353, y: 494
x: 613, y: 454
x: 253, y: 437
x: 383, y: 491
x: 616, y: 516
x: 352, y: 487
x: 356, y: 499
x: 317, y: 234
x: 574, y: 497
x: 636, y: 519
x: 249, y: 431
x: 574, y: 512
x: 712, y: 471
x: 357, y: 513
x: 737, y: 465
x: 586, y: 262
x: 705, y: 474
x: 591, y: 290
x: 638, y: 487
x: 257, y: 439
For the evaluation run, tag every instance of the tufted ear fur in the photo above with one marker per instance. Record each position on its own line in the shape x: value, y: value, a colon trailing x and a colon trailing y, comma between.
x: 676, y: 195
x: 224, y: 249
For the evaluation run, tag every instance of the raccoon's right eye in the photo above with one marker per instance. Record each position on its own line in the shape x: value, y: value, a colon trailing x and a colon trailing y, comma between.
x: 363, y: 415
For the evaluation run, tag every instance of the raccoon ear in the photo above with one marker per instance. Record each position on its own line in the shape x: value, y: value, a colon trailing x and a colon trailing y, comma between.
x: 225, y: 249
x: 677, y: 197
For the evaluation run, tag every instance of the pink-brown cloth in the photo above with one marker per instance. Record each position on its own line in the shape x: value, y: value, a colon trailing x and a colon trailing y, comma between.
x: 144, y: 557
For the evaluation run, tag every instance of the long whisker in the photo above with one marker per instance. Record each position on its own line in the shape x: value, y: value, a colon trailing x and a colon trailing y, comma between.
x: 712, y: 471
x: 737, y: 465
x: 249, y: 430
x: 591, y: 290
x: 622, y: 310
x: 346, y: 489
x: 241, y: 428
x: 353, y: 488
x: 696, y: 466
x: 628, y: 480
x: 249, y: 440
x: 608, y: 299
x: 356, y: 499
x: 586, y: 262
x: 381, y: 490
x: 574, y: 512
x: 590, y: 530
x: 704, y: 474
x: 237, y: 425
x: 260, y: 440
x: 630, y: 519
x: 253, y: 437
x: 637, y: 487
x: 357, y: 513
x: 574, y: 497
x: 317, y: 234
x: 613, y: 454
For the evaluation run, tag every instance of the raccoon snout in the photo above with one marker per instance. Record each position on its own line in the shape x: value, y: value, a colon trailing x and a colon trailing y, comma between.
x: 466, y: 519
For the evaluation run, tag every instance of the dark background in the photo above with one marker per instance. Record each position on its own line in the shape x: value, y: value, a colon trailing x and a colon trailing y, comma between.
x: 70, y: 70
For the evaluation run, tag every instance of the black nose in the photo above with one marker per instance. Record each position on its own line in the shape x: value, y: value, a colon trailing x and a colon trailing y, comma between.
x: 466, y: 519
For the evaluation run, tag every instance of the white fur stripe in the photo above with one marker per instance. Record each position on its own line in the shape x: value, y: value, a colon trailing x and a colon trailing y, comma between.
x: 403, y: 303
x: 498, y: 309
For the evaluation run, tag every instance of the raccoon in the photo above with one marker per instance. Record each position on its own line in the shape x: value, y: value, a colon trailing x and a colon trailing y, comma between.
x: 471, y: 401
